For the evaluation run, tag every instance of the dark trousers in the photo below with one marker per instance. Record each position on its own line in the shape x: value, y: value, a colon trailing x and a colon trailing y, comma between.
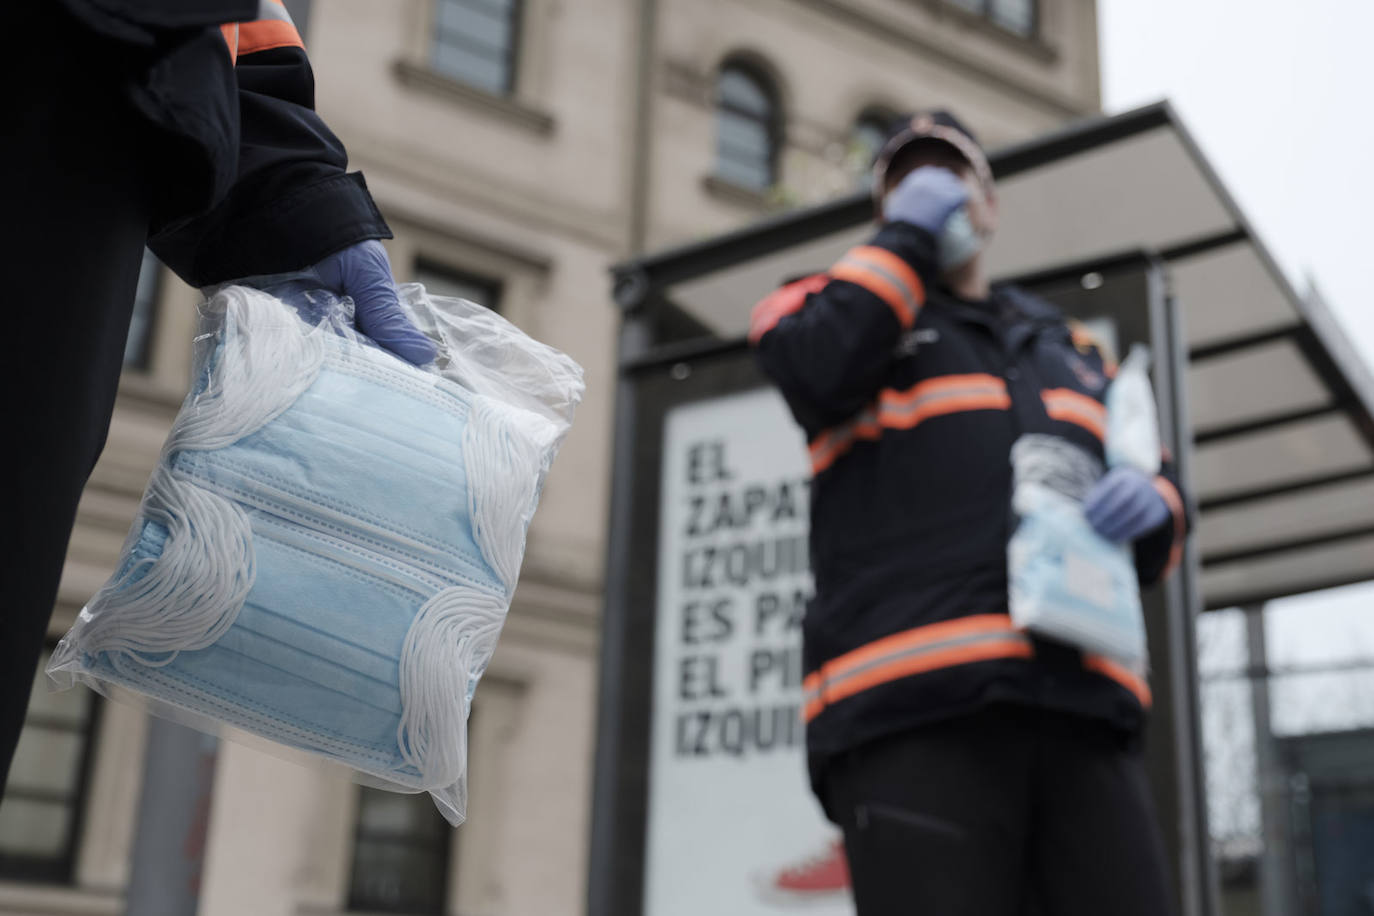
x: 74, y: 225
x: 1006, y: 812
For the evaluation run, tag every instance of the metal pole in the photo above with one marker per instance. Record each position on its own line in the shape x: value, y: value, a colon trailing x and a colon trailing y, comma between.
x: 1273, y: 887
x: 1198, y: 881
x: 173, y: 818
x: 605, y: 878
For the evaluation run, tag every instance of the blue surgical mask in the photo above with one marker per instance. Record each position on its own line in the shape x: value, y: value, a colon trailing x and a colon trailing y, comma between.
x: 1065, y: 581
x: 959, y: 241
x: 326, y: 552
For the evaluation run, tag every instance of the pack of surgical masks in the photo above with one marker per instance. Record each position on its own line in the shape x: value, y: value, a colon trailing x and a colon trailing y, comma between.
x: 327, y: 548
x: 1067, y: 582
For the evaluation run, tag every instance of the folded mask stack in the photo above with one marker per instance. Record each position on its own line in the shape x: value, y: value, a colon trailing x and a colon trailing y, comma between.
x: 327, y: 548
x: 1065, y: 581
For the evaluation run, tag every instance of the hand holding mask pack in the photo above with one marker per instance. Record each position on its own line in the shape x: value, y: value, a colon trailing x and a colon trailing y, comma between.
x: 1067, y: 581
x: 327, y: 548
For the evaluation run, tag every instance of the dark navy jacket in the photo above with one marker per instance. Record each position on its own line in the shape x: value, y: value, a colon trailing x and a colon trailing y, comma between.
x: 911, y: 399
x: 247, y: 178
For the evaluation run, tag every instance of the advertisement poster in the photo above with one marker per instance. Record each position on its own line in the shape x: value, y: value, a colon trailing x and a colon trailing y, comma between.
x: 733, y: 826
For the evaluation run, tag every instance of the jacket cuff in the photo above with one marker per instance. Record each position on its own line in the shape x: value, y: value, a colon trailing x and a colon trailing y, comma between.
x: 1159, y: 553
x: 290, y: 234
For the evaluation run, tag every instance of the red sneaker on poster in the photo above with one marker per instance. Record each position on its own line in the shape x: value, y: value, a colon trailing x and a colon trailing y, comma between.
x: 823, y: 878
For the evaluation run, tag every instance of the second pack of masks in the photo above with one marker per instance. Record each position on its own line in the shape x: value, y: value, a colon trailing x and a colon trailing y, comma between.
x: 1066, y: 581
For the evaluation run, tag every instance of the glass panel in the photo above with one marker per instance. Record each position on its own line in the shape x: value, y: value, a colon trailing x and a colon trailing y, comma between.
x: 474, y: 42
x: 973, y: 6
x: 33, y: 828
x: 466, y: 66
x: 1014, y: 15
x: 744, y: 149
x: 397, y: 878
x: 485, y: 24
x: 744, y: 135
x: 47, y: 760
x: 136, y: 348
x: 739, y: 90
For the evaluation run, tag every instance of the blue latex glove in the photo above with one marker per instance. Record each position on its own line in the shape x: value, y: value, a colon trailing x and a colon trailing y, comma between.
x: 927, y: 198
x: 1124, y: 505
x: 363, y: 273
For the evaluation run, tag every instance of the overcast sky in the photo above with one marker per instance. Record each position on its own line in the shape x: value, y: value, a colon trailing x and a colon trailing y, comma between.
x: 1278, y: 94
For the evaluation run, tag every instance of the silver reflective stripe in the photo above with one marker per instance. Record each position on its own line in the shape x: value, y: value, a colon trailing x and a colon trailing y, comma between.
x: 959, y: 642
x: 269, y: 10
x: 908, y: 294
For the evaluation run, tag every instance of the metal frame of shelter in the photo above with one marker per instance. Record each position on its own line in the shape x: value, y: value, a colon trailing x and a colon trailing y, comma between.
x: 1279, y: 445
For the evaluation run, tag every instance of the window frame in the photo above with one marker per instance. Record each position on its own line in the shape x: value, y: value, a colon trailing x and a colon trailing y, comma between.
x: 60, y: 870
x: 773, y: 124
x: 514, y: 55
x: 495, y: 285
x: 443, y: 850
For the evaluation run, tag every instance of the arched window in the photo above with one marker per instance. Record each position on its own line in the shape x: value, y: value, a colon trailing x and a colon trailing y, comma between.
x: 747, y: 128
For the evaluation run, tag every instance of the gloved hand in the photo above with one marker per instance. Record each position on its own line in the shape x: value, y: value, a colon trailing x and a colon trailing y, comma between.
x: 363, y: 272
x: 1124, y: 505
x: 926, y: 198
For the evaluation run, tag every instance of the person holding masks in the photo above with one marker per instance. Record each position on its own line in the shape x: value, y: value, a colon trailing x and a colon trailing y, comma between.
x: 973, y: 767
x: 185, y: 126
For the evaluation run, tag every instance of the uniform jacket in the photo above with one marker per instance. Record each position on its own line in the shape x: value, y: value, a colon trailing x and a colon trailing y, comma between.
x: 910, y: 400
x: 245, y: 177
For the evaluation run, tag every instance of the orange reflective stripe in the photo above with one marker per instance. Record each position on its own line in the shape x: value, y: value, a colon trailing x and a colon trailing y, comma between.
x: 1124, y: 676
x: 230, y: 31
x: 981, y: 637
x: 266, y: 34
x: 780, y: 303
x: 1070, y: 406
x: 826, y: 448
x: 946, y: 394
x: 886, y: 276
x: 892, y: 265
x: 940, y: 396
x: 1165, y: 487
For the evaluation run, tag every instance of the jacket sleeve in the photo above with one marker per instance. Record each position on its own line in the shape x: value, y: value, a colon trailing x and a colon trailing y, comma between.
x: 1158, y: 553
x: 292, y: 202
x: 829, y: 340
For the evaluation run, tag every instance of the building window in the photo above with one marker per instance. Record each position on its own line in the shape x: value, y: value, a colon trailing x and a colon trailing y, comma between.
x: 747, y: 129
x: 138, y: 345
x: 400, y: 855
x: 866, y: 141
x: 442, y: 281
x: 41, y: 808
x: 475, y: 42
x: 1016, y: 16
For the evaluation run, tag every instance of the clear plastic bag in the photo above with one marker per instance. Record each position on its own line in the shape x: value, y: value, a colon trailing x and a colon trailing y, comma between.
x: 1132, y: 419
x: 327, y: 548
x: 1066, y: 581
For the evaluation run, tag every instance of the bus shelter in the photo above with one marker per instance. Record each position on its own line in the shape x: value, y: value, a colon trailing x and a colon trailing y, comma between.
x: 700, y: 794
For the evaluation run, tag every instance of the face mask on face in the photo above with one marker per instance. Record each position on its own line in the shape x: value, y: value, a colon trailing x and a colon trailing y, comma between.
x: 959, y: 241
x: 326, y: 552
